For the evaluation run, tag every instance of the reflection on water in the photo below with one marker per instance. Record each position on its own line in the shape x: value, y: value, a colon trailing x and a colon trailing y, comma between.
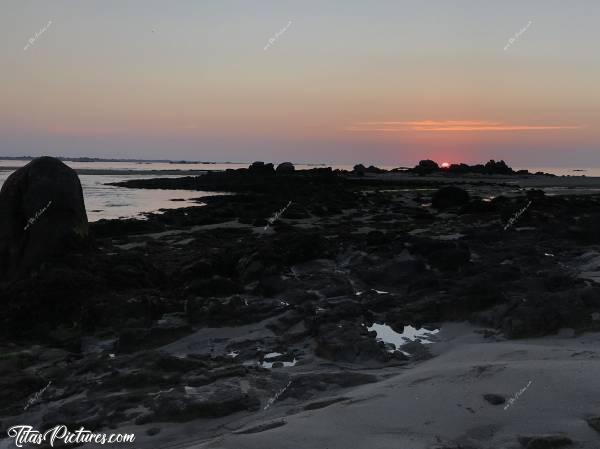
x: 103, y: 201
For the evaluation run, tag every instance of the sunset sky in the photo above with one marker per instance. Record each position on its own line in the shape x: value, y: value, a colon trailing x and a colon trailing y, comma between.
x: 382, y: 82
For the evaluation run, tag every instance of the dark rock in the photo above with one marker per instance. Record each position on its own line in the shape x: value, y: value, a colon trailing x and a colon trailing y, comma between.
x: 536, y: 194
x: 497, y: 168
x: 348, y: 342
x: 417, y: 350
x: 261, y: 427
x: 85, y: 412
x: 250, y: 268
x: 448, y: 197
x: 359, y: 169
x: 323, y: 403
x: 16, y: 388
x: 490, y: 168
x: 494, y: 399
x: 165, y: 330
x: 594, y: 423
x: 215, y: 286
x: 390, y: 273
x: 233, y: 310
x: 373, y: 169
x: 477, y: 206
x: 124, y: 226
x: 587, y: 229
x: 442, y: 254
x: 540, y: 315
x: 43, y: 215
x: 426, y: 167
x: 200, y: 269
x: 261, y: 168
x: 285, y: 167
x: 377, y: 238
x: 544, y: 441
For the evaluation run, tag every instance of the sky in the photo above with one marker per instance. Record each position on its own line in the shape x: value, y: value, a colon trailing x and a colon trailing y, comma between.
x: 379, y: 82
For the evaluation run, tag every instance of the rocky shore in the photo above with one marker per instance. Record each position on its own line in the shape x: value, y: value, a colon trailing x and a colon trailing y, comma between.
x: 194, y: 325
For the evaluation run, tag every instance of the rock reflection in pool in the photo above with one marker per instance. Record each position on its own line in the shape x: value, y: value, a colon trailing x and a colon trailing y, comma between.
x: 388, y: 335
x: 272, y: 355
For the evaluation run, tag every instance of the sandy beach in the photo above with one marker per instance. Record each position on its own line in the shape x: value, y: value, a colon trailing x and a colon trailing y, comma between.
x: 440, y: 402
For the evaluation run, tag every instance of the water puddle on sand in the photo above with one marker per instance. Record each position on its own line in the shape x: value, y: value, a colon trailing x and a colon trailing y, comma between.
x: 389, y: 336
x: 268, y: 362
x: 272, y: 355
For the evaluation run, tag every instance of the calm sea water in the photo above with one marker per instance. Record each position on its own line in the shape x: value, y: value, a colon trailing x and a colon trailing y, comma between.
x: 104, y: 201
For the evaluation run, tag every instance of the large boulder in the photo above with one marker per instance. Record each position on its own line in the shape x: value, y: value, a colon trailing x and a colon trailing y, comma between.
x: 426, y: 167
x: 260, y: 168
x: 43, y: 215
x: 448, y: 197
x: 360, y: 169
x: 285, y: 167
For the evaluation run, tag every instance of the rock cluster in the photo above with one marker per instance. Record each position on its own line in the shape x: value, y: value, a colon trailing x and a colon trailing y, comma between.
x: 197, y: 313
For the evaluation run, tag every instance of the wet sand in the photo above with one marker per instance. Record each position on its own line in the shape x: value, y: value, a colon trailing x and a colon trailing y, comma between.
x: 437, y: 402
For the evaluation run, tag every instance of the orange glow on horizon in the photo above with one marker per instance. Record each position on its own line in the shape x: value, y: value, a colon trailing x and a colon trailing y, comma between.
x: 451, y: 126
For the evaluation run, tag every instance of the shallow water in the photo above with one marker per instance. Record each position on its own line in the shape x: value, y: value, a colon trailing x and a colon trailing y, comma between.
x: 389, y: 336
x: 109, y: 202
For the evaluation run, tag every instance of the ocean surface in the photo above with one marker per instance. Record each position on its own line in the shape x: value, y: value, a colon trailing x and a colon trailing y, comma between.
x: 104, y: 201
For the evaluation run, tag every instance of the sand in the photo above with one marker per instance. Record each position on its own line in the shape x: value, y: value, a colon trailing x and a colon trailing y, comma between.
x: 554, y: 382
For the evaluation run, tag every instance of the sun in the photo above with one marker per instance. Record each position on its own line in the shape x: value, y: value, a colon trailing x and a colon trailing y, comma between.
x: 445, y: 165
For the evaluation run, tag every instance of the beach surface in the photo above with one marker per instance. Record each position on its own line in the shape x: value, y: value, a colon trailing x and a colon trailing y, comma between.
x: 441, y: 401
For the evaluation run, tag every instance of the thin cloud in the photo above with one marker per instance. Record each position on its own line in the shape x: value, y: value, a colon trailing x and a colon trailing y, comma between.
x: 450, y: 126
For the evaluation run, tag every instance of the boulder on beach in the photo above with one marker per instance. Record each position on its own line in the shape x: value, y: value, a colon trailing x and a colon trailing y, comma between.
x: 43, y: 215
x: 360, y: 169
x: 261, y: 168
x: 285, y: 167
x: 448, y: 197
x: 426, y: 167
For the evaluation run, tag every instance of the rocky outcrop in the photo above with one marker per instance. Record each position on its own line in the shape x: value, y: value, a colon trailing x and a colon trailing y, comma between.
x: 448, y: 197
x: 43, y: 215
x: 285, y: 167
x: 261, y: 168
x: 360, y: 169
x: 426, y: 167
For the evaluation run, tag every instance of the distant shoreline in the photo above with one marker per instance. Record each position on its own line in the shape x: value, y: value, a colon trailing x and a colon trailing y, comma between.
x: 127, y: 171
x: 531, y: 180
x: 146, y: 161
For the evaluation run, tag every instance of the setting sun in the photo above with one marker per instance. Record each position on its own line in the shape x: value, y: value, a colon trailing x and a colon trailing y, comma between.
x: 445, y: 165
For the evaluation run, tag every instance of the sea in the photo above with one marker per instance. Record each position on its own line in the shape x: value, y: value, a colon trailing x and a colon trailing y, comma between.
x: 104, y: 201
